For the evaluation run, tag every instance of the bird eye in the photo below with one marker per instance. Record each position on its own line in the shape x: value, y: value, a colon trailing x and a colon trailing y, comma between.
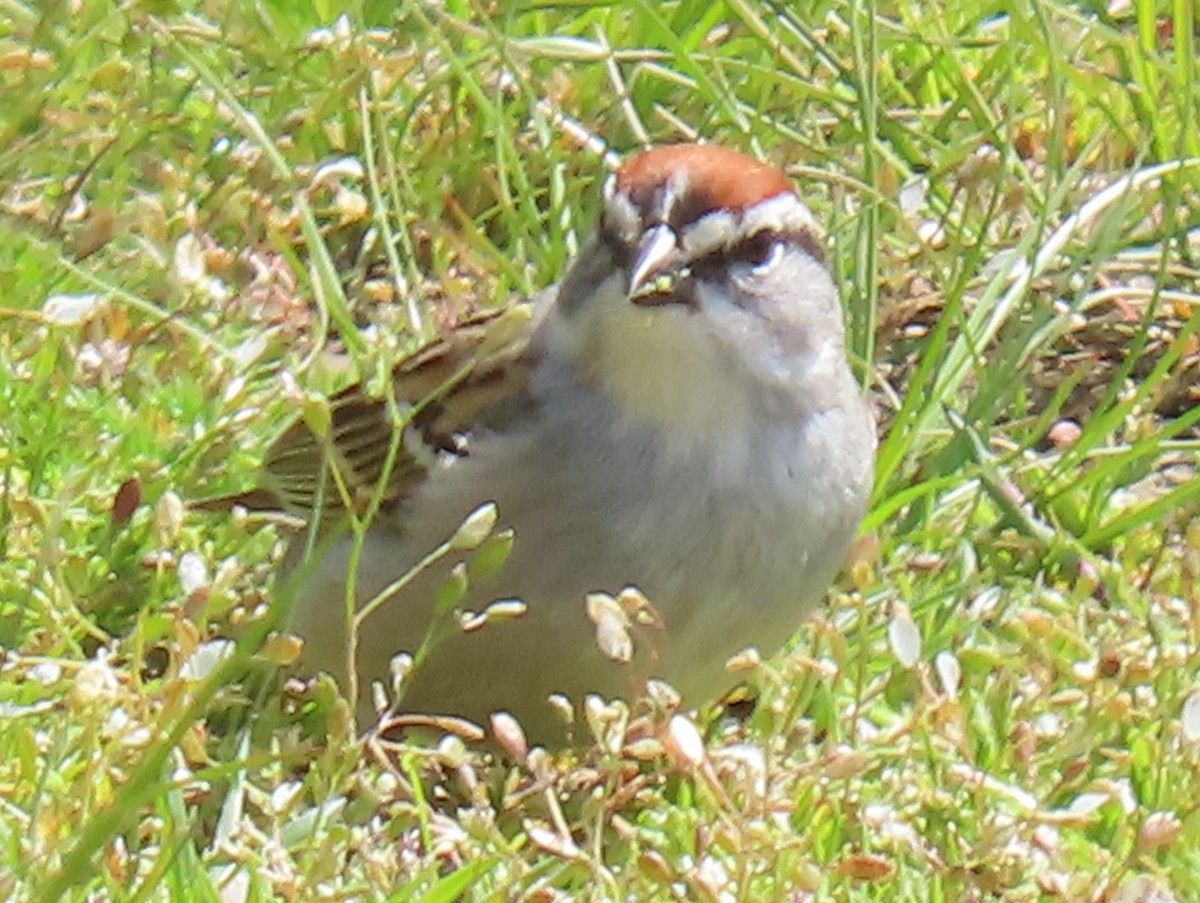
x: 757, y: 250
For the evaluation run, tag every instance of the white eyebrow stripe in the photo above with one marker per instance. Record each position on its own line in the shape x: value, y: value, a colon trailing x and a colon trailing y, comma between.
x: 709, y: 233
x: 783, y: 214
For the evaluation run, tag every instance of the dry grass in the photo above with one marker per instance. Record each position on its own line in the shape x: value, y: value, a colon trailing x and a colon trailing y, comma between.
x: 1002, y: 701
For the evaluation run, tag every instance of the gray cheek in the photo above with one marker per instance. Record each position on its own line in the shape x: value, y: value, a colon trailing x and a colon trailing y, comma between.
x: 593, y: 265
x: 796, y: 296
x: 769, y: 323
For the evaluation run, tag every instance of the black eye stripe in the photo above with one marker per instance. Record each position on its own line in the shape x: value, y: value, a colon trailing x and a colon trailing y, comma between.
x: 719, y: 259
x: 753, y: 249
x: 756, y: 249
x: 807, y: 240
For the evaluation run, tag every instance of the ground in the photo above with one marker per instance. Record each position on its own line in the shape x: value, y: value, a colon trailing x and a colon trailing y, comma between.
x: 203, y: 204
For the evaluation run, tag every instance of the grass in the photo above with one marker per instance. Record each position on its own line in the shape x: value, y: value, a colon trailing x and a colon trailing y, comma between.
x: 1001, y: 701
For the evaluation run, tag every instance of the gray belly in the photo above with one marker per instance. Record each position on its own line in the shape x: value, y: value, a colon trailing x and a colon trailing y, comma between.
x: 726, y: 566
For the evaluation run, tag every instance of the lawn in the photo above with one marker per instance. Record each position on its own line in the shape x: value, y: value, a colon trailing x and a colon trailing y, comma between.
x: 213, y: 214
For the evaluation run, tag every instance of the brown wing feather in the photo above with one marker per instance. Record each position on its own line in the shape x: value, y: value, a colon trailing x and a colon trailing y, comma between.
x: 440, y: 391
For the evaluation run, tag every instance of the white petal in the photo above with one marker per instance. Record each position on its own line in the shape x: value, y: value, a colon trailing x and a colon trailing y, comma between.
x: 193, y: 573
x: 71, y: 310
x: 1191, y: 717
x: 949, y: 673
x: 904, y: 639
x: 205, y: 659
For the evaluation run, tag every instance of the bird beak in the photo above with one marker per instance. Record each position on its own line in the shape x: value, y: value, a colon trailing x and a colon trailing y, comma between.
x: 648, y: 278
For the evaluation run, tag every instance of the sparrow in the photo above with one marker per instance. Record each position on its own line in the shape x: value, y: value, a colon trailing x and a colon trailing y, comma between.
x: 677, y: 415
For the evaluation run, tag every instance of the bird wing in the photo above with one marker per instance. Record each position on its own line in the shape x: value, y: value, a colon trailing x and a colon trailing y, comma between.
x: 376, y: 446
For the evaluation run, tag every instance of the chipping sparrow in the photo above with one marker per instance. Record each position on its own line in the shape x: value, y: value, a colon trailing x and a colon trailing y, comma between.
x: 679, y: 415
